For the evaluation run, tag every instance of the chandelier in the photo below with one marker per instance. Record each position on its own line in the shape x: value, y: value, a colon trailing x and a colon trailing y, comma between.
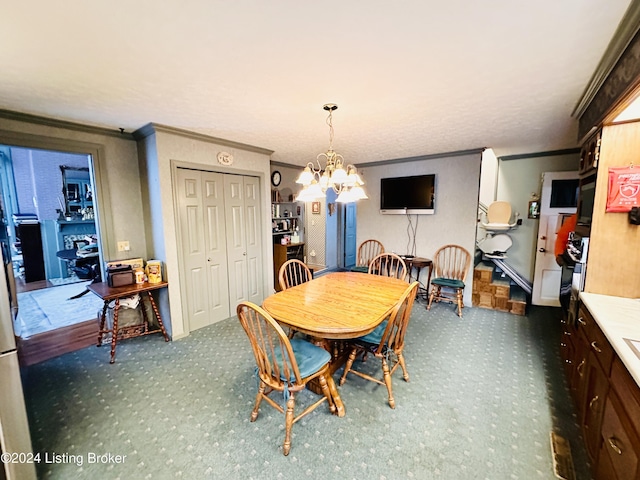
x: 345, y: 182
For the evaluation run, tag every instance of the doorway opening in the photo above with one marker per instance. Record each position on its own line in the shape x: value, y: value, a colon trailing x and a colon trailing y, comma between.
x: 51, y: 241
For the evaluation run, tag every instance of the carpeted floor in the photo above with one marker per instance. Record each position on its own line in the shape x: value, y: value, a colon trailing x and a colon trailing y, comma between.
x: 485, y: 393
x: 50, y: 308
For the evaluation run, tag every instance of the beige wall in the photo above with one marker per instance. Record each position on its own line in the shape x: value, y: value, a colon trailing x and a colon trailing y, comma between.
x: 118, y: 190
x: 454, y: 221
x: 161, y: 150
x: 517, y: 180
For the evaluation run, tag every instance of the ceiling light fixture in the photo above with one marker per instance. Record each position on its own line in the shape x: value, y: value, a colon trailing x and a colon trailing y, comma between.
x: 345, y: 182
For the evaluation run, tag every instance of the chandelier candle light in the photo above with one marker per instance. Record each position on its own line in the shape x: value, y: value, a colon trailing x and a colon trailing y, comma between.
x: 315, y: 182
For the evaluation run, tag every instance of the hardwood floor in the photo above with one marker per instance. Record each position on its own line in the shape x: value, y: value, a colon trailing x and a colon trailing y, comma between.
x: 22, y: 286
x: 53, y: 343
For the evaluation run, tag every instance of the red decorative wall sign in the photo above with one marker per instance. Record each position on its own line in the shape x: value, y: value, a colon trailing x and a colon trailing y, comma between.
x: 624, y: 189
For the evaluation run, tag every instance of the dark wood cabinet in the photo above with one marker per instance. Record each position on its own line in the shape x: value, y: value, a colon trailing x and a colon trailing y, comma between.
x: 282, y: 253
x: 607, y: 399
x: 595, y: 395
x: 32, y: 255
x: 590, y: 153
x: 620, y: 447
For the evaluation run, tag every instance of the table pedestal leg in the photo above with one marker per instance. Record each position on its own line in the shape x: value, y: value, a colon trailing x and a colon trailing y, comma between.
x: 335, y: 396
x: 337, y: 361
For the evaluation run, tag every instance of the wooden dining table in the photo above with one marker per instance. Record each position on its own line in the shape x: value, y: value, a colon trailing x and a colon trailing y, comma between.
x: 336, y: 306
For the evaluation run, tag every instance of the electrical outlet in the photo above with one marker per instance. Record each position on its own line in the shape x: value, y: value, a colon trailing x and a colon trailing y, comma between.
x: 123, y: 246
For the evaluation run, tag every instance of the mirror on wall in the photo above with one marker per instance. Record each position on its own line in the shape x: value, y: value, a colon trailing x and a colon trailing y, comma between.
x: 77, y: 193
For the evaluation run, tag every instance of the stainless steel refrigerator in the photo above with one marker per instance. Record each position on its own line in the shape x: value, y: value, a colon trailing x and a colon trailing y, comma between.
x: 15, y: 440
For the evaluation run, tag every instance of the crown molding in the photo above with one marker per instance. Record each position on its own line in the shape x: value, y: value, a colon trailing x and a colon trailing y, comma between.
x: 435, y: 156
x: 550, y: 153
x: 53, y: 122
x: 152, y: 128
x: 627, y: 29
x: 275, y: 163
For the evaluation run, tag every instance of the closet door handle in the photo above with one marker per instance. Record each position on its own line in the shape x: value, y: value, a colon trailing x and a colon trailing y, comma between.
x: 614, y: 445
x: 595, y: 347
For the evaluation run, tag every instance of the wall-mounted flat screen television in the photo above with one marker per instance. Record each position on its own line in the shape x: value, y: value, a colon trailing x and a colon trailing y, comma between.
x: 408, y: 195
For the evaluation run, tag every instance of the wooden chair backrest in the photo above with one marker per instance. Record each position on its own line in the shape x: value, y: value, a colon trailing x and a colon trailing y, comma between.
x: 367, y: 251
x: 451, y: 261
x: 393, y: 336
x: 389, y: 265
x: 293, y: 272
x: 267, y: 338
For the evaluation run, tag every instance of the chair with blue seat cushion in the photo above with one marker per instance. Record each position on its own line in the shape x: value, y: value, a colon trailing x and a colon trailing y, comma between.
x: 367, y: 251
x: 388, y: 265
x: 386, y: 342
x: 450, y: 267
x: 284, y: 366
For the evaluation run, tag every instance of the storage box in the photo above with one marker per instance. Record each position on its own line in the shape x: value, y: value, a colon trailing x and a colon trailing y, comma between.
x: 120, y: 275
x: 483, y: 272
x: 485, y: 300
x: 154, y: 271
x: 135, y: 263
x: 502, y: 288
x: 501, y: 303
x: 518, y: 307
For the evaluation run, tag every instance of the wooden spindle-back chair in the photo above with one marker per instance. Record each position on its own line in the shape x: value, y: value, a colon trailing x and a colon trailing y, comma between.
x: 450, y: 266
x: 386, y: 342
x: 293, y: 272
x: 389, y: 265
x: 284, y: 366
x: 367, y: 251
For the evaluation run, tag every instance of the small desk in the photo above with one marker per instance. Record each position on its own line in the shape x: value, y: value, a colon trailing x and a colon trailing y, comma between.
x: 337, y: 306
x: 107, y: 293
x: 76, y: 261
x: 419, y: 263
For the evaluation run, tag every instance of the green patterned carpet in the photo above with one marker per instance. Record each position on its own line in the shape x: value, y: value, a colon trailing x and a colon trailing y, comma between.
x: 485, y: 393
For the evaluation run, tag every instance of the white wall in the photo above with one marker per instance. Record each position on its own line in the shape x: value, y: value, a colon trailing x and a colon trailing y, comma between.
x: 454, y: 221
x: 488, y: 177
x: 517, y: 180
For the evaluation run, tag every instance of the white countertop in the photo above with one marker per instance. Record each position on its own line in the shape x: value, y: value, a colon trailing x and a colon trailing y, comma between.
x: 619, y: 318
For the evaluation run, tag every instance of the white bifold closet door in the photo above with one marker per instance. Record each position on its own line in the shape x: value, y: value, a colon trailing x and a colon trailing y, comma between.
x: 219, y: 218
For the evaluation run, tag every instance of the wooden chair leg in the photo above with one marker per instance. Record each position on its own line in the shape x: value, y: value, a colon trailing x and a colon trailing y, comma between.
x: 387, y: 382
x: 259, y: 396
x: 459, y: 297
x: 286, y: 447
x: 431, y: 295
x: 403, y: 366
x: 349, y: 364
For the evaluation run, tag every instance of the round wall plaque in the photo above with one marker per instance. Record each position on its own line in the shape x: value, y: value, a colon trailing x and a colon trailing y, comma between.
x: 225, y: 158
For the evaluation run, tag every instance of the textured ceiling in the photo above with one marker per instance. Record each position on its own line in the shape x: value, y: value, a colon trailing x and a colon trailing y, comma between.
x: 410, y: 78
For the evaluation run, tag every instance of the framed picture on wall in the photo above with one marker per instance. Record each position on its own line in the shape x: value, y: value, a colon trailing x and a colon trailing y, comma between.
x: 315, y: 207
